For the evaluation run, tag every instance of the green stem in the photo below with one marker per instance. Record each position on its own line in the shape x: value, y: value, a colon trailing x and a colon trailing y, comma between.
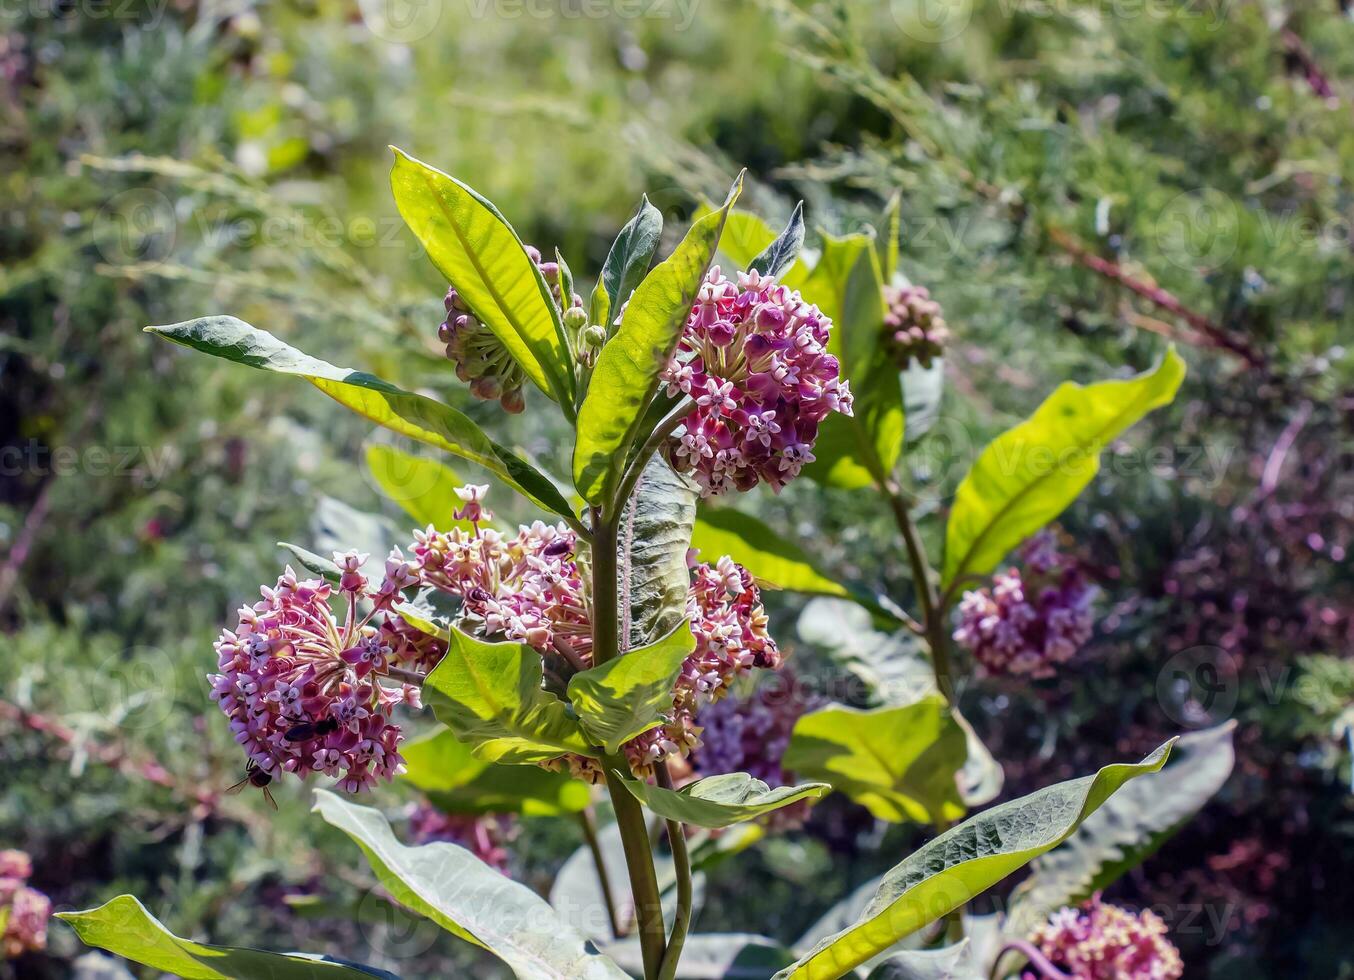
x: 629, y: 814
x: 681, y: 862
x: 589, y: 825
x: 932, y: 604
x: 646, y: 451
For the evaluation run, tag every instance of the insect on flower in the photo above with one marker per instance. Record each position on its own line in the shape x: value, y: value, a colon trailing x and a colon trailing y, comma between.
x: 254, y: 776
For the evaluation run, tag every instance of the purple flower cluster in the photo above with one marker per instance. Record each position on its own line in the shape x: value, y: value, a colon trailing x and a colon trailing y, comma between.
x: 479, y: 356
x: 750, y: 734
x: 754, y: 359
x: 530, y: 587
x: 23, y: 910
x: 304, y: 690
x: 485, y: 835
x: 913, y: 325
x: 1029, y: 624
x: 1104, y: 942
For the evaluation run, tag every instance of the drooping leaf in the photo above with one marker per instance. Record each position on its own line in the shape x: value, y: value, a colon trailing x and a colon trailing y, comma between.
x: 477, y: 251
x: 626, y: 375
x: 963, y: 862
x: 654, y: 535
x: 899, y: 762
x: 415, y: 416
x: 423, y: 488
x: 771, y: 557
x: 923, y: 390
x: 463, y: 895
x: 714, y: 956
x: 1029, y: 474
x: 124, y: 927
x: 626, y: 696
x: 782, y: 253
x: 721, y: 801
x: 1128, y: 829
x: 630, y: 255
x: 490, y: 695
x: 576, y: 894
x: 955, y: 962
x: 446, y: 771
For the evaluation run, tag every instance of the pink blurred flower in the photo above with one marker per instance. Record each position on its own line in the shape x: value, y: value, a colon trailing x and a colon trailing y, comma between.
x: 914, y: 328
x: 24, y: 911
x: 1099, y: 941
x: 754, y: 360
x: 484, y: 835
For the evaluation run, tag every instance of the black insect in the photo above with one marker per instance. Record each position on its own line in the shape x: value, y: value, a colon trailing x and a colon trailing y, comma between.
x: 307, y: 730
x: 558, y: 547
x: 254, y: 776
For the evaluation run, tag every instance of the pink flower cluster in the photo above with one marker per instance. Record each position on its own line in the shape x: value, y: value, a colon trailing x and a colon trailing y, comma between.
x: 1029, y: 624
x: 304, y: 690
x: 913, y: 325
x: 479, y: 356
x: 485, y: 835
x: 529, y: 587
x: 1104, y: 942
x: 754, y: 359
x: 23, y: 911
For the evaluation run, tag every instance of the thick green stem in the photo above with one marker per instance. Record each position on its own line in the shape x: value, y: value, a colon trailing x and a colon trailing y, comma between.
x: 932, y: 607
x: 629, y: 815
x: 589, y: 826
x: 681, y: 862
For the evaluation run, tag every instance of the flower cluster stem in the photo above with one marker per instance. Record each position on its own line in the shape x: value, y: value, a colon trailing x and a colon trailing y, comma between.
x: 681, y: 862
x: 931, y: 603
x: 589, y: 825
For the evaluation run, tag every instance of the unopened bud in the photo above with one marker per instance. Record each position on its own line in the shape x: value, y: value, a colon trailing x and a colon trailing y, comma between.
x: 594, y: 337
x: 575, y: 319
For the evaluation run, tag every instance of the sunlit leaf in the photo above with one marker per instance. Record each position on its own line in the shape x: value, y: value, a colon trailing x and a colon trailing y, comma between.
x: 747, y: 236
x: 782, y: 253
x: 772, y: 557
x: 490, y: 695
x: 721, y: 801
x: 955, y: 962
x: 964, y: 862
x: 1029, y: 474
x: 446, y: 771
x: 626, y: 696
x: 415, y: 416
x: 630, y: 255
x: 424, y: 488
x: 626, y: 375
x: 124, y: 927
x: 477, y: 250
x: 462, y: 894
x: 899, y: 762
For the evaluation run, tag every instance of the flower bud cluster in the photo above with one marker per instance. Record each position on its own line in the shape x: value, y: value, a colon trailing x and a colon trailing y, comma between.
x: 485, y: 835
x: 1029, y: 624
x: 306, y: 692
x: 914, y: 328
x: 481, y: 359
x: 23, y: 910
x: 753, y: 357
x: 1099, y: 941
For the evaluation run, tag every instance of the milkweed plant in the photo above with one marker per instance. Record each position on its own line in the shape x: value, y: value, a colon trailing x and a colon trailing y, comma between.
x: 606, y: 649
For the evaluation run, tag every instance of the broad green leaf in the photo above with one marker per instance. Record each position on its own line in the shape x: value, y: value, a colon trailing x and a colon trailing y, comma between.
x: 1128, y: 829
x: 721, y: 801
x: 463, y: 895
x: 747, y: 236
x: 477, y: 251
x: 423, y: 488
x: 415, y: 416
x: 654, y: 535
x: 124, y: 927
x: 714, y: 956
x: 630, y: 255
x: 964, y: 862
x: 490, y: 695
x: 627, y: 696
x: 782, y: 253
x: 955, y: 962
x: 446, y: 770
x: 771, y: 557
x: 847, y: 285
x: 626, y: 376
x: 576, y: 893
x: 1029, y: 474
x: 899, y: 762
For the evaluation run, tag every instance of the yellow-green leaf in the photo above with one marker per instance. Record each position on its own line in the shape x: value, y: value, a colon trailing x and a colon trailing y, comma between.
x: 1028, y: 475
x: 720, y: 801
x: 424, y: 488
x: 773, y: 558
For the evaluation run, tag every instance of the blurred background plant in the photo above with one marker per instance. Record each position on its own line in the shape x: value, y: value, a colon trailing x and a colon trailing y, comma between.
x: 1077, y: 180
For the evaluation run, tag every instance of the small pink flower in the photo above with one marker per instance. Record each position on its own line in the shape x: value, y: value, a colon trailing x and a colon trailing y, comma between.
x: 1104, y: 942
x: 24, y: 911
